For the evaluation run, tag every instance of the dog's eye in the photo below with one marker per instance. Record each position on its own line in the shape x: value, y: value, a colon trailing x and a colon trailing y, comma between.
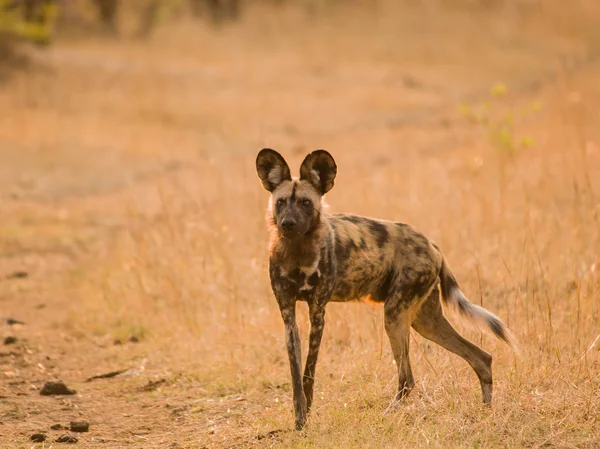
x: 280, y: 202
x: 306, y: 202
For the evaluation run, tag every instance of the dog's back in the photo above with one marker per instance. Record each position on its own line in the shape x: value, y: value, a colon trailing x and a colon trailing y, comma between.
x: 375, y: 258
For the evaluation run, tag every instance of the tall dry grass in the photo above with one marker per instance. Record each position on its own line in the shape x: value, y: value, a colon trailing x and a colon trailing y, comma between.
x: 187, y: 267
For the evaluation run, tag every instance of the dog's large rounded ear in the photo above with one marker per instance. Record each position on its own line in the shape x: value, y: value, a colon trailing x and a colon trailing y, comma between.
x: 272, y: 168
x: 319, y: 169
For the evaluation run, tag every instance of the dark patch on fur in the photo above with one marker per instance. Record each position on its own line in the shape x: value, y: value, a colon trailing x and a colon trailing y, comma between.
x: 383, y: 292
x: 498, y: 329
x: 343, y: 289
x: 415, y: 285
x: 297, y: 276
x: 363, y: 243
x: 362, y: 286
x: 416, y: 289
x: 420, y: 251
x: 313, y: 279
x: 448, y: 283
x: 293, y: 195
x: 343, y: 251
x: 379, y: 231
x: 352, y: 218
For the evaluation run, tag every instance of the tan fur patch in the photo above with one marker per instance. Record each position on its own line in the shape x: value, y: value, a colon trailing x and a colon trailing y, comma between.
x: 305, y: 189
x: 283, y: 190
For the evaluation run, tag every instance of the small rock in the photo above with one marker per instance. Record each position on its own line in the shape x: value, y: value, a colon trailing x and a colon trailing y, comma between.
x: 57, y: 427
x: 52, y: 388
x: 18, y: 275
x: 11, y: 321
x: 38, y: 437
x: 80, y: 426
x: 117, y: 342
x: 66, y: 438
x: 134, y: 339
x: 10, y: 340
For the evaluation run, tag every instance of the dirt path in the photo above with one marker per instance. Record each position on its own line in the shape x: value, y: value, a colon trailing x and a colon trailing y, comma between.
x: 87, y: 146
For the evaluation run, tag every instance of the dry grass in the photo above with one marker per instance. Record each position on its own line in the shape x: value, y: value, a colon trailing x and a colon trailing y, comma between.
x: 131, y: 199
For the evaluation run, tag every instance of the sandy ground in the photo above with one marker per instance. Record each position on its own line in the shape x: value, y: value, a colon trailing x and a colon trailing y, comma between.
x: 132, y: 234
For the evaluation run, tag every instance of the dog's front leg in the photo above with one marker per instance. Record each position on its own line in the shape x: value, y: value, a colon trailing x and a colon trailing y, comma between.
x: 288, y: 312
x: 317, y: 322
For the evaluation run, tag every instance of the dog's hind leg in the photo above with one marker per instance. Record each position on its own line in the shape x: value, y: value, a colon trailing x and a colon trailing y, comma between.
x: 431, y: 323
x: 397, y: 327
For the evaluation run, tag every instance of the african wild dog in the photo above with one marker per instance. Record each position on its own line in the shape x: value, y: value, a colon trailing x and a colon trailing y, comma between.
x: 317, y: 258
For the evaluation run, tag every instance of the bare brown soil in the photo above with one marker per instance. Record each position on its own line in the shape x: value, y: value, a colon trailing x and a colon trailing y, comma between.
x: 132, y: 232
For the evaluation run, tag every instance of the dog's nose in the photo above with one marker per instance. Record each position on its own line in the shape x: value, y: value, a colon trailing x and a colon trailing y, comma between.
x: 288, y: 224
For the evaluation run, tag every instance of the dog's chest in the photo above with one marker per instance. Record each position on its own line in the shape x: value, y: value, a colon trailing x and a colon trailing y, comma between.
x: 300, y: 283
x: 304, y: 273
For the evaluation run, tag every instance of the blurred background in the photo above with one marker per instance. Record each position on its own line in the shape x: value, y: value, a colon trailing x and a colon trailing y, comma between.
x: 132, y: 229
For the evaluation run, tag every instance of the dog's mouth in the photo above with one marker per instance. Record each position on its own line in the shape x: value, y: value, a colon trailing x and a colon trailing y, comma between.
x: 290, y: 234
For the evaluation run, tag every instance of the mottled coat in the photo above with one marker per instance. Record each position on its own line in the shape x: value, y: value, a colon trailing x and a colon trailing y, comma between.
x: 317, y: 258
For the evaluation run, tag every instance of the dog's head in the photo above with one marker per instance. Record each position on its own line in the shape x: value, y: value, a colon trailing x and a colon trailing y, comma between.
x: 295, y: 203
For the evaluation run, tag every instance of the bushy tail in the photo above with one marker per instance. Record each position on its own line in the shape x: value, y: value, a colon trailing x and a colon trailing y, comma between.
x: 484, y: 320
